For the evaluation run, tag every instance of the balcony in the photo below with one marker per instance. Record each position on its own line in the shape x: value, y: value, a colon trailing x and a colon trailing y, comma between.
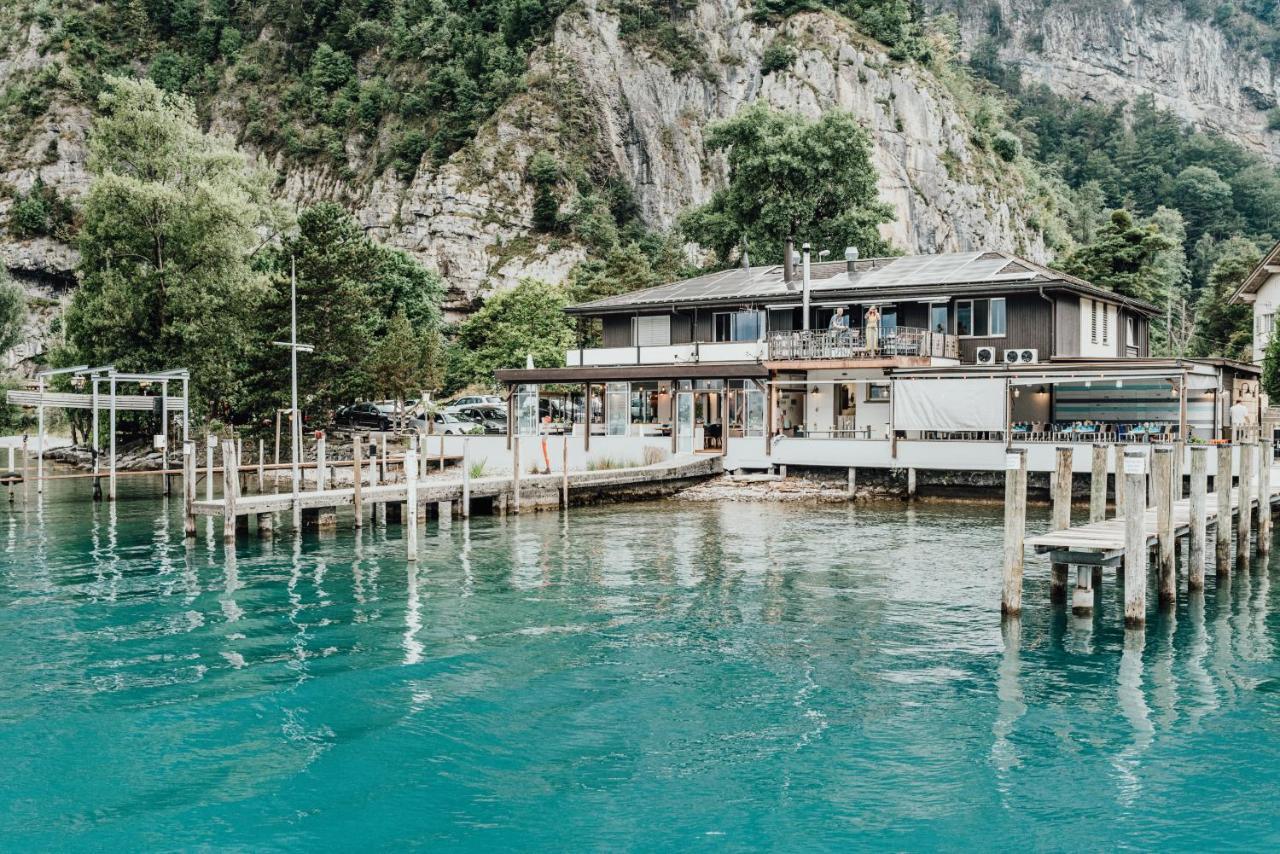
x: 673, y: 354
x: 820, y: 344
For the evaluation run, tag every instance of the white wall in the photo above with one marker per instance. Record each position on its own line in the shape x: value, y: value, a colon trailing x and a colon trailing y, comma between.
x: 1107, y: 331
x: 1265, y: 303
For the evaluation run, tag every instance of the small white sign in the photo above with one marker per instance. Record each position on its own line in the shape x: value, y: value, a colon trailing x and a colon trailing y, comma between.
x: 158, y: 441
x: 1013, y: 462
x: 213, y: 441
x: 1135, y: 465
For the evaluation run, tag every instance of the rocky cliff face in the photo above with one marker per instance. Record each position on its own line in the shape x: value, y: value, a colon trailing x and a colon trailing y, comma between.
x: 1113, y: 50
x: 594, y: 94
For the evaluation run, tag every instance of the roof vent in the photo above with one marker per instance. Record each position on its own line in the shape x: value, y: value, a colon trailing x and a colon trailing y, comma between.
x: 850, y: 258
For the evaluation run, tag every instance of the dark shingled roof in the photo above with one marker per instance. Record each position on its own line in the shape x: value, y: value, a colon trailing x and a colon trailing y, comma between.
x: 872, y: 277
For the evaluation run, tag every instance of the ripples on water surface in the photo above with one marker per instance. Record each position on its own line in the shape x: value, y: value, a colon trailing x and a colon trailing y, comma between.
x: 647, y: 675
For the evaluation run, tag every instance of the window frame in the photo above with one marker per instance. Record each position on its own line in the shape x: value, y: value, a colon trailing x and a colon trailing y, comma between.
x: 874, y: 389
x: 971, y: 303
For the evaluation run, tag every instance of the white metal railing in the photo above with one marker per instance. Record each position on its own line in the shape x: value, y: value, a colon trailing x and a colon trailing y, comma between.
x: 670, y: 354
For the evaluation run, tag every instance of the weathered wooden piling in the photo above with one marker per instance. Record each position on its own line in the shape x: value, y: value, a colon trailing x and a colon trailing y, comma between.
x: 1266, y: 451
x: 411, y: 503
x: 466, y: 478
x: 1061, y: 520
x: 322, y: 464
x: 380, y: 477
x: 1118, y: 467
x: 356, y: 476
x: 852, y: 489
x: 911, y: 483
x: 564, y: 472
x: 266, y: 524
x: 1135, y: 538
x: 188, y: 489
x: 229, y: 490
x: 1199, y: 516
x: 210, y: 443
x: 1222, y: 512
x: 444, y: 513
x: 262, y: 467
x: 1098, y: 484
x: 515, y: 473
x: 1162, y: 485
x: 1015, y: 529
x: 1244, y: 515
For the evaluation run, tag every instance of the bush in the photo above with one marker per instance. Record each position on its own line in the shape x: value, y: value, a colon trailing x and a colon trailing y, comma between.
x: 1273, y: 118
x: 408, y: 152
x: 1007, y: 146
x: 778, y: 56
x: 330, y: 70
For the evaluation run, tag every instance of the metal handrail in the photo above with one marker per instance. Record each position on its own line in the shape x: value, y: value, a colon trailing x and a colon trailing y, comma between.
x: 817, y: 344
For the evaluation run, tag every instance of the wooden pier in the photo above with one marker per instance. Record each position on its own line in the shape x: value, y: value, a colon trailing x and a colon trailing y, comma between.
x: 1151, y: 516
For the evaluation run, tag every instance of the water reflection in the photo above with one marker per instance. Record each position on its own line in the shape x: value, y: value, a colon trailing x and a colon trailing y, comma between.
x: 1132, y: 702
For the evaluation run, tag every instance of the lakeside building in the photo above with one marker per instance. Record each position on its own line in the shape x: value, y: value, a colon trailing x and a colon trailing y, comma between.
x: 841, y: 363
x: 1261, y: 291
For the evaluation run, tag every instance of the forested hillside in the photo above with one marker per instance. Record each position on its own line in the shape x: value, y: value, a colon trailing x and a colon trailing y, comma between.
x: 583, y: 144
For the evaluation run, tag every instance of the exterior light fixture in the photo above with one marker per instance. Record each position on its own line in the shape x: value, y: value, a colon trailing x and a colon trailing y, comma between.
x: 1119, y: 383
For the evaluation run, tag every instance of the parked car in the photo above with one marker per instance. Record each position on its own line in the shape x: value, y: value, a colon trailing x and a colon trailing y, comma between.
x: 363, y: 416
x: 442, y: 423
x: 493, y: 419
x: 473, y: 400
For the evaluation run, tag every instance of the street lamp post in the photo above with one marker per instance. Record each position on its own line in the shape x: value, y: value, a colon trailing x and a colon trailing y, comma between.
x: 294, y: 415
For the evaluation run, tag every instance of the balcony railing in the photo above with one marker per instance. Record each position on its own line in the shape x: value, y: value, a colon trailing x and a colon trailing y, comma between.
x: 674, y: 354
x: 856, y: 344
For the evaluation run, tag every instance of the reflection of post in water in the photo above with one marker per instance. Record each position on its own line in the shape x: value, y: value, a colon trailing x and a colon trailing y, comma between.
x: 1197, y: 656
x: 1260, y: 610
x: 230, y: 584
x: 412, y: 617
x: 1133, y: 705
x: 464, y: 557
x: 1223, y: 655
x: 1012, y: 702
x: 1164, y: 683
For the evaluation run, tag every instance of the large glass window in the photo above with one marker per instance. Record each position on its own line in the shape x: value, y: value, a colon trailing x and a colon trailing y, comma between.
x: 644, y: 403
x: 981, y: 318
x: 617, y: 407
x: 938, y: 317
x: 527, y: 410
x: 746, y: 408
x: 739, y: 326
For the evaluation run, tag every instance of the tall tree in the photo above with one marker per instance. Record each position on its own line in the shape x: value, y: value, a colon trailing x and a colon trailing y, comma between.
x: 172, y: 223
x: 1222, y: 327
x: 790, y: 177
x: 1123, y: 257
x: 13, y: 311
x: 526, y: 320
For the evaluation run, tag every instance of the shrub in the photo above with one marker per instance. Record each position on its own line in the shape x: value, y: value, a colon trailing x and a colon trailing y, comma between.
x: 1008, y: 146
x: 778, y: 56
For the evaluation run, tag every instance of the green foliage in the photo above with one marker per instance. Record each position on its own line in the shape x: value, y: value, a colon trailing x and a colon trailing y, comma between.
x: 1271, y: 368
x: 1224, y: 328
x: 13, y: 311
x: 544, y: 174
x: 512, y: 324
x: 1122, y: 257
x: 899, y: 24
x: 1007, y: 146
x: 41, y: 212
x: 371, y: 312
x: 788, y: 176
x: 172, y: 223
x: 778, y: 56
x: 658, y: 25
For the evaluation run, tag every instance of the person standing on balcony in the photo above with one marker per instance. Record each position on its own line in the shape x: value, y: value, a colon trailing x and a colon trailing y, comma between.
x: 873, y: 329
x: 839, y: 320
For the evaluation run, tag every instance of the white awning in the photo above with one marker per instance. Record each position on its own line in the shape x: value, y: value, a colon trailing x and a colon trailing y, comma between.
x: 949, y: 405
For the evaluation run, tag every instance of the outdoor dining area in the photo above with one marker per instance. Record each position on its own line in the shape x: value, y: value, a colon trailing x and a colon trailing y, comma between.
x: 856, y: 343
x: 1095, y: 431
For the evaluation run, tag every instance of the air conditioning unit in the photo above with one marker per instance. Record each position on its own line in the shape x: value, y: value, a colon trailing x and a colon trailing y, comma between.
x: 985, y: 356
x: 1021, y: 357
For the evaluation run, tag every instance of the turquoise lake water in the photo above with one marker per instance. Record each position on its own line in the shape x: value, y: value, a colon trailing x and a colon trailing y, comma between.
x: 646, y: 676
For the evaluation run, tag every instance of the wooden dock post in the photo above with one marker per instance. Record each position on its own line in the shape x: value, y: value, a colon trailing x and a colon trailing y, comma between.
x: 378, y: 463
x: 188, y: 489
x: 228, y: 490
x: 262, y: 468
x: 441, y: 452
x: 1118, y: 467
x: 444, y: 513
x: 210, y: 443
x: 1098, y: 484
x: 1015, y: 529
x: 1162, y: 485
x: 911, y: 483
x: 1222, y: 512
x: 1199, y: 516
x: 266, y: 524
x: 852, y: 489
x: 1135, y: 538
x: 1244, y: 513
x: 466, y: 478
x: 411, y: 503
x: 1061, y: 520
x: 564, y: 473
x: 1266, y: 453
x: 356, y: 476
x: 515, y: 473
x: 322, y: 464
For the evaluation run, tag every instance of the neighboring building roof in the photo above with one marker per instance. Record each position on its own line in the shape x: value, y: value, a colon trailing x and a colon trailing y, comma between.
x: 1267, y: 267
x: 880, y: 279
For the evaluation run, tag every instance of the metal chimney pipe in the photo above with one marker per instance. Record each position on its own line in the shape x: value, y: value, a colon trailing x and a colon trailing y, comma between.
x: 850, y: 258
x: 804, y: 285
x: 787, y: 261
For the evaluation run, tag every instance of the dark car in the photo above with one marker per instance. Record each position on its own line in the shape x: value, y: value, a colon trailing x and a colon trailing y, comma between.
x: 492, y: 418
x: 363, y: 416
